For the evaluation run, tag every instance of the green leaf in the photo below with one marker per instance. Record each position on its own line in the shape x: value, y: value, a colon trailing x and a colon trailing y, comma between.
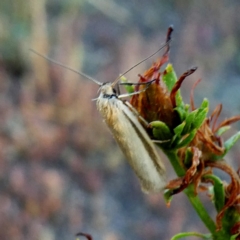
x: 202, y: 113
x: 200, y: 117
x: 196, y: 118
x: 188, y: 158
x: 192, y: 234
x: 218, y: 190
x: 205, y: 103
x: 186, y: 140
x: 170, y: 78
x: 222, y: 130
x: 181, y: 113
x: 186, y: 107
x: 160, y: 130
x: 230, y: 142
x: 189, y: 122
x: 168, y: 196
x: 231, y: 217
x: 179, y: 129
x: 233, y: 237
x: 129, y: 88
x: 178, y: 135
x: 174, y: 142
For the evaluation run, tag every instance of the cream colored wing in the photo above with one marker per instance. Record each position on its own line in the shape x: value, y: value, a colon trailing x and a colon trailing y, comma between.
x: 135, y: 144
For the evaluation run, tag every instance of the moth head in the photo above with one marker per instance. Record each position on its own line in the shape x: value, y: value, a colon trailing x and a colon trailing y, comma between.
x: 107, y: 91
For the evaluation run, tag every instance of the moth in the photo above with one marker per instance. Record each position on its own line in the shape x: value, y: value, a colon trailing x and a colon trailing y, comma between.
x: 123, y: 122
x: 132, y: 138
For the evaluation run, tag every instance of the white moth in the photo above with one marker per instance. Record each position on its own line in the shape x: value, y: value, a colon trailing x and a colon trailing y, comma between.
x: 132, y: 139
x: 130, y: 135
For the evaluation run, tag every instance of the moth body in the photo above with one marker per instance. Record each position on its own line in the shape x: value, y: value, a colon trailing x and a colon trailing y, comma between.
x: 132, y: 139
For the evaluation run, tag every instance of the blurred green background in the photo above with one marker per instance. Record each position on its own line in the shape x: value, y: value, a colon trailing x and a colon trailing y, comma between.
x: 60, y: 170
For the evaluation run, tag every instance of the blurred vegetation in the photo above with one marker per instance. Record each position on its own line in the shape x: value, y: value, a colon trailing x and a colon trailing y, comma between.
x: 60, y: 170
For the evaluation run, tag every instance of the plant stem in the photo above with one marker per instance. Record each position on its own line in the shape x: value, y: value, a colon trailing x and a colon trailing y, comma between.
x: 195, y: 201
x: 189, y: 191
x: 200, y: 209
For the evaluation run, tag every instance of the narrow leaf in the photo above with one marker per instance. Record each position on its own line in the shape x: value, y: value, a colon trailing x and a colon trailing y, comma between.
x: 187, y: 139
x: 231, y: 141
x: 218, y: 190
x: 192, y: 234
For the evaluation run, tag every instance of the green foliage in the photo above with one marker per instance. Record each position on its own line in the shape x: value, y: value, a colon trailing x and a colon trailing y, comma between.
x: 192, y: 234
x: 170, y: 78
x: 230, y: 142
x: 160, y: 130
x: 129, y: 88
x: 171, y: 140
x: 182, y: 136
x: 217, y: 190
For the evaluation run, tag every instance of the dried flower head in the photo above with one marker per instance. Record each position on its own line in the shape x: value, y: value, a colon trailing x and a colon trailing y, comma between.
x: 195, y: 138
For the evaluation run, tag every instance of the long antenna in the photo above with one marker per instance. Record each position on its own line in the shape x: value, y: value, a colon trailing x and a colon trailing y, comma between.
x: 117, y: 79
x: 62, y: 65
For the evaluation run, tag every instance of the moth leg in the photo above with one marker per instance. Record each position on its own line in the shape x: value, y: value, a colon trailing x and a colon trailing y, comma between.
x: 118, y: 90
x: 161, y: 141
x: 146, y: 124
x: 134, y: 93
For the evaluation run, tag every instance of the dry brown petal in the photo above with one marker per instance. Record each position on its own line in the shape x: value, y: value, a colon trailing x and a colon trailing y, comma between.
x: 195, y: 162
x: 178, y: 84
x: 215, y: 115
x: 206, y: 137
x: 198, y: 176
x: 175, y: 183
x: 154, y: 103
x: 227, y: 122
x: 192, y: 94
x: 189, y: 176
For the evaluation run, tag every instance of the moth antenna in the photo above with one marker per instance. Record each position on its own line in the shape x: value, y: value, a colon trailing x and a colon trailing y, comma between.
x: 66, y: 67
x: 168, y: 38
x: 136, y: 84
x: 117, y: 79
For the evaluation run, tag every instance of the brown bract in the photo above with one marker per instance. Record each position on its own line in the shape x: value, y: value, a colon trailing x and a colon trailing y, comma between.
x: 207, y: 139
x: 211, y: 145
x: 154, y: 103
